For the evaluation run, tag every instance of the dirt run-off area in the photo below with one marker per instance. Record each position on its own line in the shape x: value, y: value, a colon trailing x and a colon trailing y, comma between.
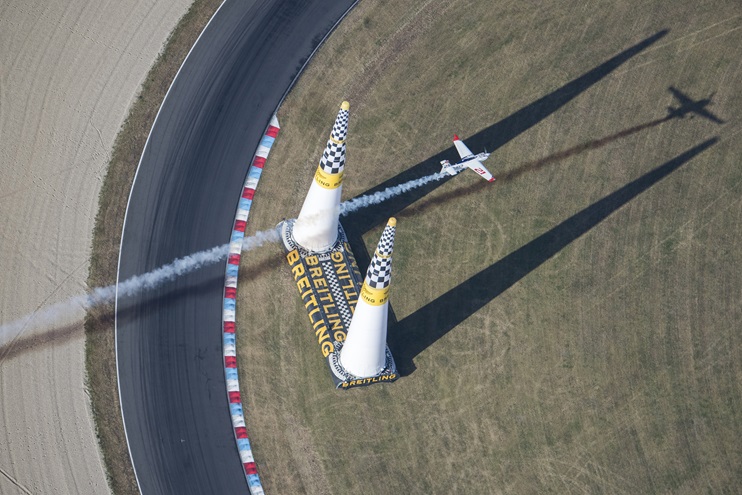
x: 68, y: 73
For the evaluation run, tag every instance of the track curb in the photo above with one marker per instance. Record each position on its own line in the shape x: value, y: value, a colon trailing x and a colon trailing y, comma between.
x: 236, y: 409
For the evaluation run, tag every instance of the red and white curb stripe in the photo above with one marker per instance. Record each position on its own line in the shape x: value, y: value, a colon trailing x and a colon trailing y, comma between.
x: 228, y: 311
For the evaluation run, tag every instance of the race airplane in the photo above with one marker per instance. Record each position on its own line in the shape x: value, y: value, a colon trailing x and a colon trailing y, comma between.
x: 468, y: 160
x: 688, y: 105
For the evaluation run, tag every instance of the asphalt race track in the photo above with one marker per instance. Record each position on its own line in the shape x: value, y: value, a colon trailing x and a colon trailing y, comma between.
x: 184, y: 198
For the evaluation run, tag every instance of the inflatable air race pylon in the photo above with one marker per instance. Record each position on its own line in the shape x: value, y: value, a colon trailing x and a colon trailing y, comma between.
x: 364, y: 352
x: 316, y: 228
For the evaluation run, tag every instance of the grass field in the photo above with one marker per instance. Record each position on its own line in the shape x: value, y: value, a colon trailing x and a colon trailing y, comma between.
x: 557, y: 337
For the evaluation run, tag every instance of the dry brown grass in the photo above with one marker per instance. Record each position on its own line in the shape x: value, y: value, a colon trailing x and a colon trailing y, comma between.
x: 612, y: 367
x: 99, y: 334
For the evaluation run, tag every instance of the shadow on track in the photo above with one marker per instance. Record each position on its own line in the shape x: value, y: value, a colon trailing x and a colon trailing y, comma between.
x: 102, y: 316
x: 415, y: 333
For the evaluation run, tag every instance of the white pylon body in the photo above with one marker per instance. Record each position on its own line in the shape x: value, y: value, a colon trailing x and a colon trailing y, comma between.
x: 364, y: 352
x: 316, y: 228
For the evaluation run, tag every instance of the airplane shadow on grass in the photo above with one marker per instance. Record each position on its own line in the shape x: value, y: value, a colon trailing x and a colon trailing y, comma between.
x: 410, y: 336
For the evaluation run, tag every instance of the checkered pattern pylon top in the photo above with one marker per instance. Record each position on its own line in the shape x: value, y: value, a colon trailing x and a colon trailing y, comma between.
x: 379, y: 273
x: 333, y: 159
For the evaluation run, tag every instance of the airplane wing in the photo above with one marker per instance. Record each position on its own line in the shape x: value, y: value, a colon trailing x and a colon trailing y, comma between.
x: 480, y: 169
x: 464, y: 152
x: 683, y: 99
x: 705, y: 113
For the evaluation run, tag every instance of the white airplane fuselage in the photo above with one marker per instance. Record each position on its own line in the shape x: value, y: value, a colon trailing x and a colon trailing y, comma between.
x: 468, y: 160
x: 456, y: 168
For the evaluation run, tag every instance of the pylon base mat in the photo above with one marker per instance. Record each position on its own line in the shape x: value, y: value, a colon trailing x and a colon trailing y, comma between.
x: 329, y: 283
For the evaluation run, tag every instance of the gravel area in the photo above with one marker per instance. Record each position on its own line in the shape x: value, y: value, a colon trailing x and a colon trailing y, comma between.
x: 68, y: 73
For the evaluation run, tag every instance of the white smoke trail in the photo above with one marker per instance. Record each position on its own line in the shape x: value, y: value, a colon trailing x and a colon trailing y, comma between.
x: 67, y: 310
x: 379, y: 197
x: 72, y: 308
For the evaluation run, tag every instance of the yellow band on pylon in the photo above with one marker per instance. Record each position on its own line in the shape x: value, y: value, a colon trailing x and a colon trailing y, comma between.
x: 328, y: 181
x: 337, y: 141
x: 374, y: 297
